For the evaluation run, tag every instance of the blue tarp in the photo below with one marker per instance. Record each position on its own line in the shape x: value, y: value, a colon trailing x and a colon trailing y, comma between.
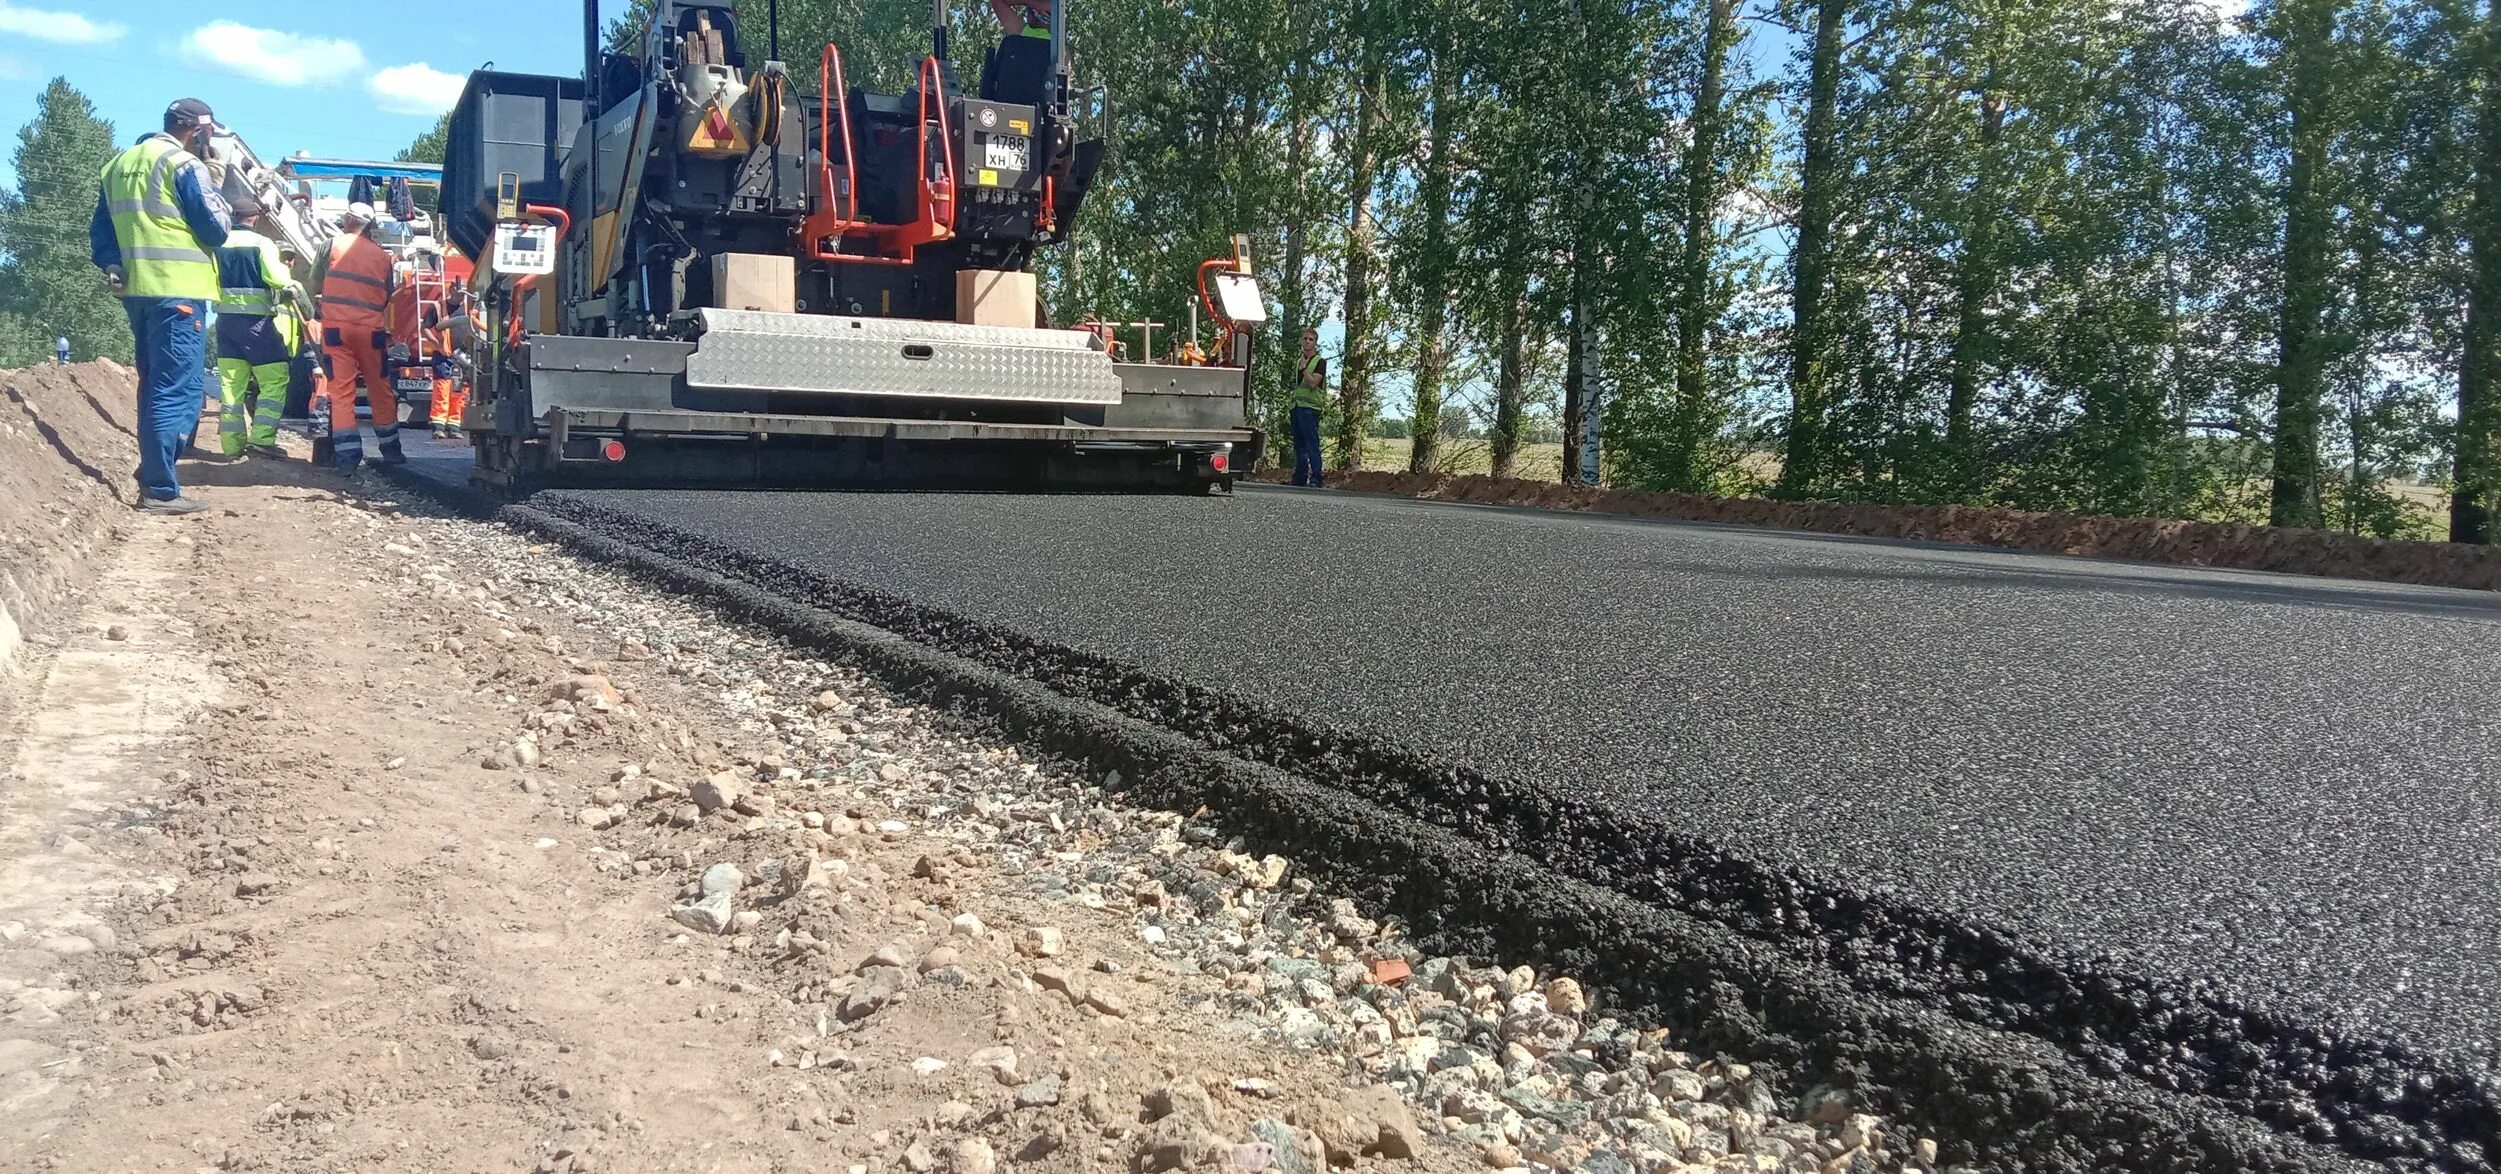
x: 350, y: 169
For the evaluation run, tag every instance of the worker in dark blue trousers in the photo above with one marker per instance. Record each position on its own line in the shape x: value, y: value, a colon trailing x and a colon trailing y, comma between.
x: 1311, y: 396
x: 158, y: 216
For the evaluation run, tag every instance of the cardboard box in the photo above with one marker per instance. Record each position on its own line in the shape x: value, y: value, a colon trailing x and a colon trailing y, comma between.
x: 991, y: 297
x: 754, y: 281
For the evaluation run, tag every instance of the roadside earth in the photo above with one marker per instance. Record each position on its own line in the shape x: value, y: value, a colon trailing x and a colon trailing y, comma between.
x: 335, y: 834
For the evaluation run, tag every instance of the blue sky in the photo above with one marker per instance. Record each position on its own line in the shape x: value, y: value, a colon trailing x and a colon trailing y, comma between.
x: 349, y: 78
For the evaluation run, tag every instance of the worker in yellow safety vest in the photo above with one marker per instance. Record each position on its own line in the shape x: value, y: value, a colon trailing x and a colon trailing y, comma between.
x: 157, y: 216
x: 257, y: 334
x: 1311, y: 397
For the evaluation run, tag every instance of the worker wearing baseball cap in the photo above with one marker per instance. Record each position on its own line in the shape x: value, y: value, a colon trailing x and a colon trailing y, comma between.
x: 158, y: 217
x: 355, y: 282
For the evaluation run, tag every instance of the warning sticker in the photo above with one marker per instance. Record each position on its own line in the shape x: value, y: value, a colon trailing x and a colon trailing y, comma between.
x: 1020, y: 126
x: 987, y: 178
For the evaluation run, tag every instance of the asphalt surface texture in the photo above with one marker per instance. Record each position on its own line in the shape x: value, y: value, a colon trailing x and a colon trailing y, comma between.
x: 2233, y: 835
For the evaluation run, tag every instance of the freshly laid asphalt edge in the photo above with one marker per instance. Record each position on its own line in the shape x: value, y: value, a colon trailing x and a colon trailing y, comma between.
x: 2372, y: 1100
x: 2000, y: 1097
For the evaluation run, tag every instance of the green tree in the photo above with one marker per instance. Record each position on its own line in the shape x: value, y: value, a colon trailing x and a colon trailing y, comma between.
x: 429, y: 147
x: 2304, y: 36
x: 48, y: 285
x: 2476, y: 491
x: 1811, y: 256
x: 1427, y: 247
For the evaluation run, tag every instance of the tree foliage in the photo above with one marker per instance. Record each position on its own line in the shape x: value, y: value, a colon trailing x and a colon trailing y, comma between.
x: 48, y: 285
x: 428, y: 147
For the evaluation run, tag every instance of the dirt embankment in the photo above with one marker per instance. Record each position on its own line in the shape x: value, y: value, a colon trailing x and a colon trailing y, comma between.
x: 66, y: 456
x: 2198, y: 544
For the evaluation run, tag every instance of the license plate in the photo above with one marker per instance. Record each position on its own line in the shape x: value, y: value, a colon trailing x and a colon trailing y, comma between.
x: 1006, y: 152
x: 416, y: 385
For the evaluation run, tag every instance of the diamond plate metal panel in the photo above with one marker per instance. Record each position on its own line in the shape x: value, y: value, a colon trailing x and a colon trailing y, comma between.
x: 755, y: 351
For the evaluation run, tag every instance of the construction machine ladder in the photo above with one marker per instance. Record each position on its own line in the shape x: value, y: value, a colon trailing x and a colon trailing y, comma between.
x: 256, y: 189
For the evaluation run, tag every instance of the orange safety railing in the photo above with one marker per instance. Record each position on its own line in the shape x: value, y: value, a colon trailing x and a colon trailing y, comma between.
x: 934, y: 218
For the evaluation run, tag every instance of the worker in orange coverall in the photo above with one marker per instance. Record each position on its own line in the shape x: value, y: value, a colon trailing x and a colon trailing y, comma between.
x: 451, y: 383
x: 355, y: 283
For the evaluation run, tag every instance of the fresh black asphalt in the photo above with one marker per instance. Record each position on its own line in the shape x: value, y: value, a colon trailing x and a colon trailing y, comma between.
x: 2260, y: 814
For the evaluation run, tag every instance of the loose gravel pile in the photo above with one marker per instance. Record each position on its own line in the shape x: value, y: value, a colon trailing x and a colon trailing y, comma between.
x: 857, y: 796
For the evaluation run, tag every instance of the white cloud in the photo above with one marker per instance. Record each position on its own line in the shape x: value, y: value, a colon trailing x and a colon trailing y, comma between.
x: 415, y: 88
x: 68, y: 28
x: 267, y: 55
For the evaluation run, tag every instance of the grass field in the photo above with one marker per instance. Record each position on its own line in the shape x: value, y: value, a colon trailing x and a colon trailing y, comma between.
x: 1537, y: 462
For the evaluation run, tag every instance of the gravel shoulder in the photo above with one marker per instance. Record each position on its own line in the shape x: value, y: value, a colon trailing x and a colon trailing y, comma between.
x: 341, y: 835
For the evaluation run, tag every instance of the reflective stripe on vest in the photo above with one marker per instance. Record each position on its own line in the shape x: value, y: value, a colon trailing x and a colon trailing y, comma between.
x: 249, y: 273
x: 356, y: 286
x: 160, y: 257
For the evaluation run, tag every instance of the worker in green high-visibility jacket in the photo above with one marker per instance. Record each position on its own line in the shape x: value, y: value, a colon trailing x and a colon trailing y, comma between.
x: 157, y: 217
x: 1311, y: 397
x: 258, y: 332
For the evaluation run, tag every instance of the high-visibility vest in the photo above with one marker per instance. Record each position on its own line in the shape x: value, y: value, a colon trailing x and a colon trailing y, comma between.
x: 1035, y: 30
x: 357, y: 285
x: 1316, y: 398
x: 250, y: 277
x: 249, y: 274
x: 160, y: 257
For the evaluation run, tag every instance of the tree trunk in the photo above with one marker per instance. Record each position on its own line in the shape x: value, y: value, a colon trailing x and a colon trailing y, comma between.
x: 1432, y: 271
x: 1694, y: 309
x: 1576, y: 375
x: 1976, y: 279
x: 2369, y: 222
x: 1294, y: 304
x: 1510, y: 377
x: 1355, y: 374
x: 2476, y: 492
x: 1819, y: 184
x: 2301, y: 366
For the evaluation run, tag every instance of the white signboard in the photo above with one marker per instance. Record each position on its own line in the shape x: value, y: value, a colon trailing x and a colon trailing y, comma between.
x: 1237, y: 294
x: 525, y: 248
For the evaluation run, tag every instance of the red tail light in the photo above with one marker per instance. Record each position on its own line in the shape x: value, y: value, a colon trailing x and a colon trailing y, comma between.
x: 612, y: 451
x: 1218, y: 462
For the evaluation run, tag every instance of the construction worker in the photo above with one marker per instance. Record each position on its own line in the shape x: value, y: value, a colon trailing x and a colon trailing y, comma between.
x: 257, y: 333
x: 355, y: 284
x: 1023, y: 18
x: 451, y: 390
x: 157, y: 216
x: 60, y: 351
x: 1311, y: 396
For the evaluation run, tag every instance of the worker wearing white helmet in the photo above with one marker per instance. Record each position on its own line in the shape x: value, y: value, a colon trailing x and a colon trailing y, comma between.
x: 355, y: 282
